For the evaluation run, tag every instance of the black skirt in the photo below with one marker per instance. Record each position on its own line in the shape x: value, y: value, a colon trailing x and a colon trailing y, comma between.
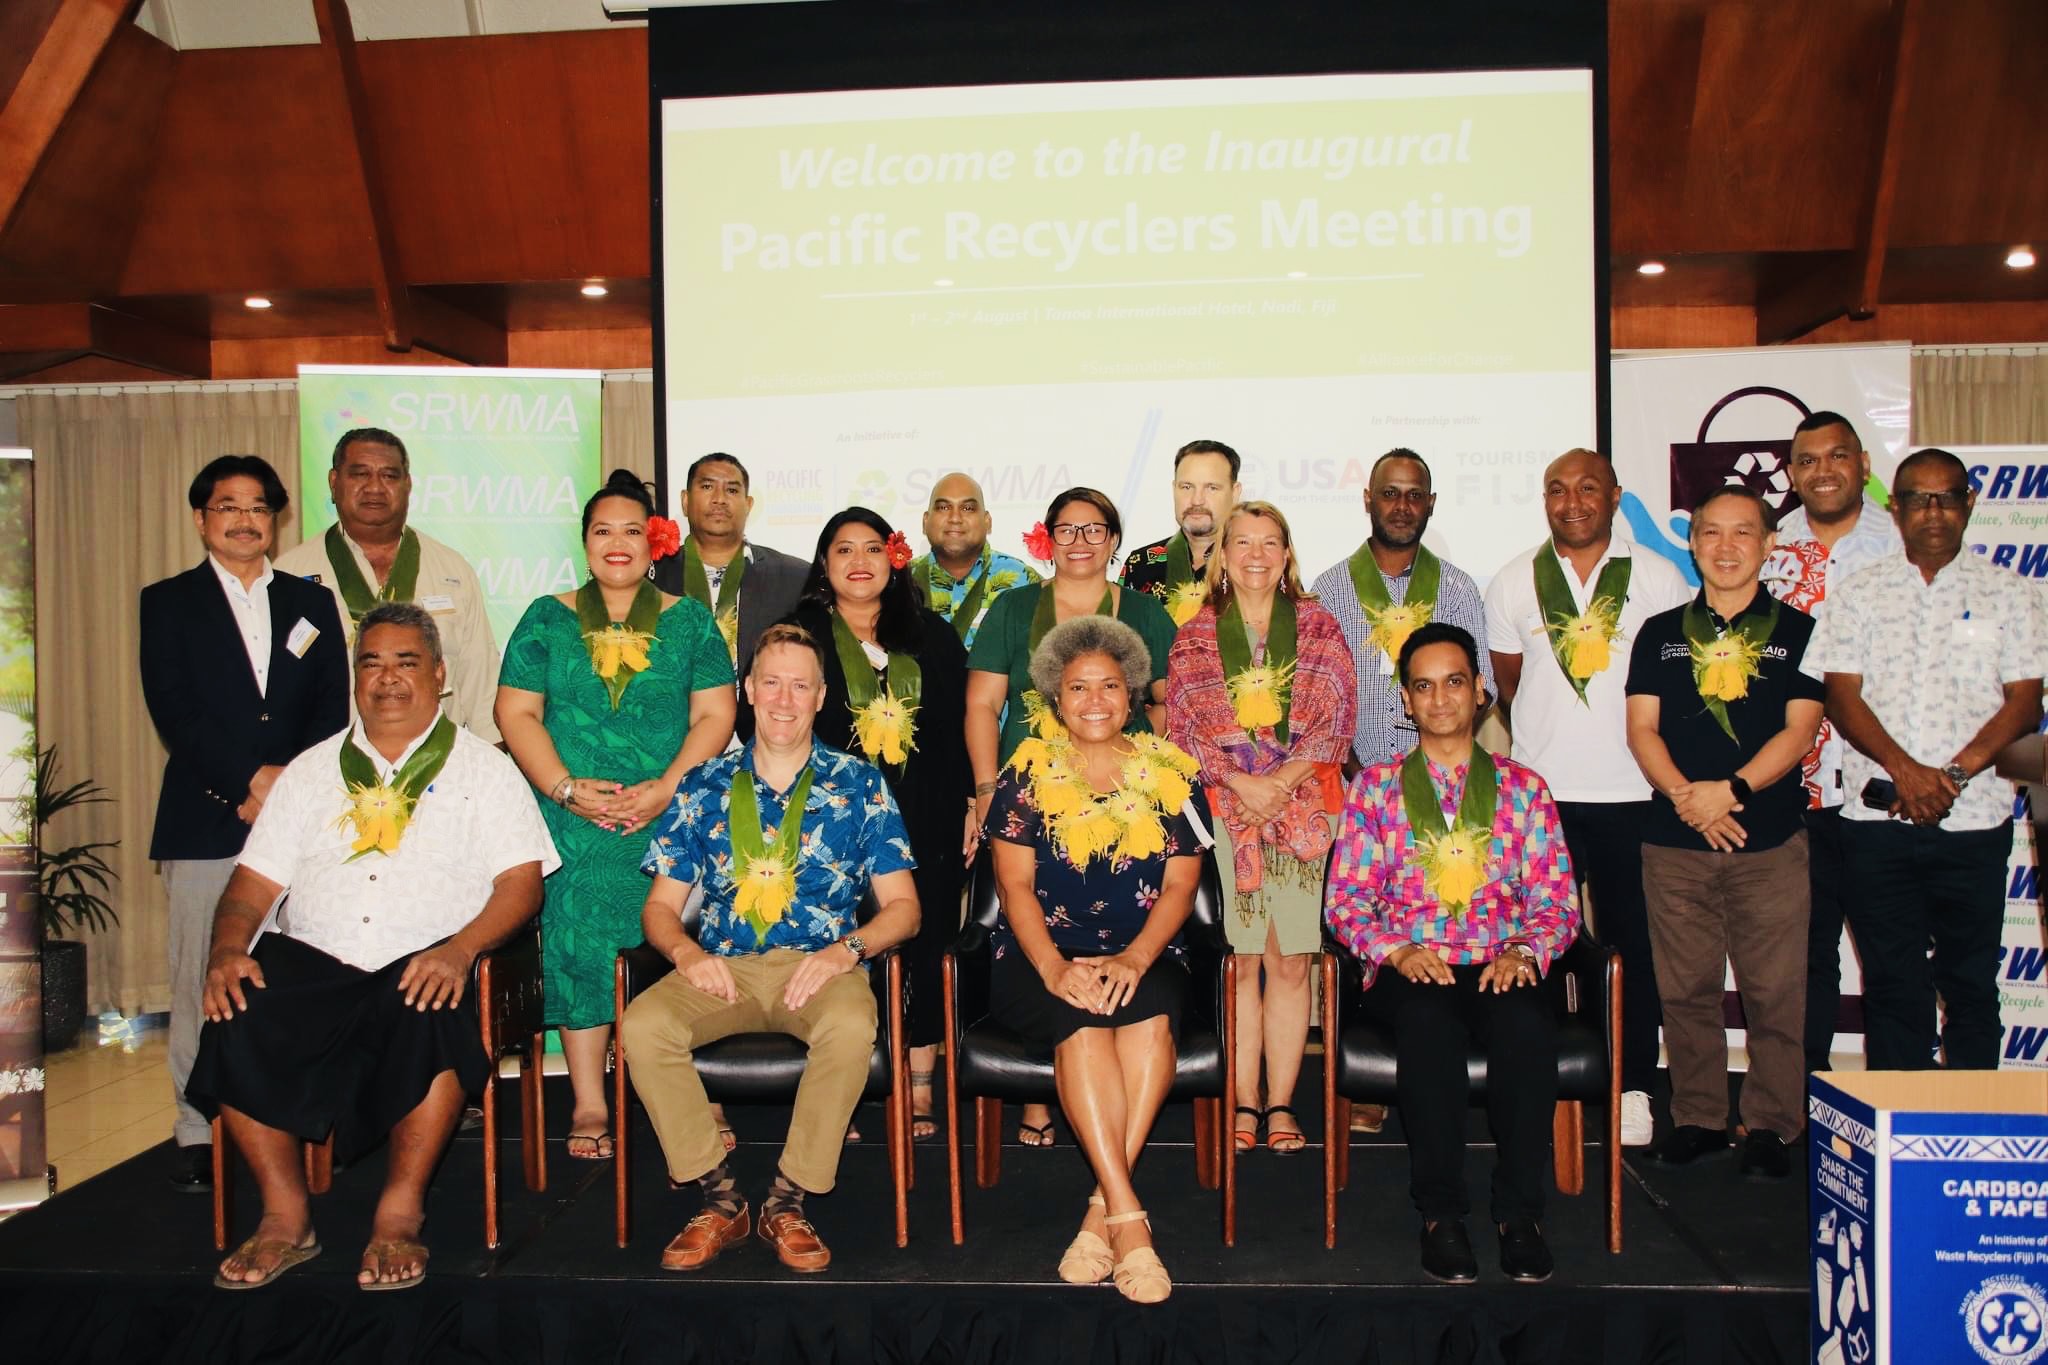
x: 326, y: 1047
x: 1019, y: 1001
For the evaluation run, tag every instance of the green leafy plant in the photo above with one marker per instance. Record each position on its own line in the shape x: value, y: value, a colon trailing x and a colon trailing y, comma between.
x: 70, y: 881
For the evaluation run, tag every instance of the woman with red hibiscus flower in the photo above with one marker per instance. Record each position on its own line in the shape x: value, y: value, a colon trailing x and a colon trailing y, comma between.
x: 1079, y: 537
x: 896, y: 695
x: 608, y: 695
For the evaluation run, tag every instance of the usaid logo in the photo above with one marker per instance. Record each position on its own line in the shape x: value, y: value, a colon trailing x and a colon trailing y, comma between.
x: 2006, y: 1321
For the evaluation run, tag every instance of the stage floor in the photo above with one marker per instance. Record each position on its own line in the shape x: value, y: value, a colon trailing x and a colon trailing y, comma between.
x: 120, y: 1267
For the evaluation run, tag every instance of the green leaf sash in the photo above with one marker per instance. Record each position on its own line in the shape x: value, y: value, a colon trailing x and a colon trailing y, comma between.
x: 884, y: 715
x: 725, y: 608
x: 1185, y: 587
x: 1391, y: 624
x: 1044, y: 616
x: 380, y: 811
x: 1453, y: 856
x: 618, y: 649
x: 1261, y: 695
x: 764, y: 873
x: 963, y: 616
x: 1723, y: 662
x: 355, y: 590
x: 1580, y: 640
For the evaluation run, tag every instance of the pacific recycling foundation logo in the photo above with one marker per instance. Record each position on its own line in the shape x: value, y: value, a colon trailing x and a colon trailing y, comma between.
x: 2006, y: 1321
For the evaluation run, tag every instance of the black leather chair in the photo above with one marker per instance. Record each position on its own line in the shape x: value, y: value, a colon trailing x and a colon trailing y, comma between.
x: 1585, y: 983
x: 989, y: 1062
x: 507, y: 987
x: 766, y: 1067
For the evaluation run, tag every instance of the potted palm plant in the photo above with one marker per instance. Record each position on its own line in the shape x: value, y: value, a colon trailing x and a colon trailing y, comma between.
x: 70, y: 887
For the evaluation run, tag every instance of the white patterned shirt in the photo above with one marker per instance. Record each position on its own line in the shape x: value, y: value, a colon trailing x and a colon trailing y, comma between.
x: 1579, y: 748
x: 1934, y: 659
x: 1799, y: 571
x: 477, y: 820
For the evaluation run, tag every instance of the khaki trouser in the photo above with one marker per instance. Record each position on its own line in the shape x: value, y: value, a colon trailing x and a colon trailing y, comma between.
x: 1709, y: 910
x: 193, y: 887
x: 671, y: 1017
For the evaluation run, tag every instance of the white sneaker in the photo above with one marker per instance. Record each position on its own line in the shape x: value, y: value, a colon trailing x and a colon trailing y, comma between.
x: 1636, y: 1128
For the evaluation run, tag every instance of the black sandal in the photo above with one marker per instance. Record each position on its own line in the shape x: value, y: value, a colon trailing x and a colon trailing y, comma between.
x: 1244, y: 1139
x: 922, y: 1078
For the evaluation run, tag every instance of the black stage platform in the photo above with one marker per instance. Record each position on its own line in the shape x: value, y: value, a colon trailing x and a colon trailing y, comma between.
x: 119, y: 1269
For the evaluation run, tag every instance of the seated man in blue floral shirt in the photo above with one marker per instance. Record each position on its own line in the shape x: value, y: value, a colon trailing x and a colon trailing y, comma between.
x: 776, y: 947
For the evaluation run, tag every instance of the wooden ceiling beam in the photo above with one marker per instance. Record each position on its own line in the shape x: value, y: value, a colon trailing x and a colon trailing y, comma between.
x: 338, y: 46
x: 1792, y: 302
x: 76, y: 329
x: 78, y: 33
x: 447, y: 330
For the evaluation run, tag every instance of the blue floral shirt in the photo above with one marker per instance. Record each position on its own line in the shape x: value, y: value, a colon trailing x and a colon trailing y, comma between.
x: 948, y: 593
x: 852, y: 833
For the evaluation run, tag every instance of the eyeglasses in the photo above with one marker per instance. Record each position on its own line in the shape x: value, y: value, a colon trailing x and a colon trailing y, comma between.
x: 229, y: 511
x: 1094, y: 532
x: 1946, y: 500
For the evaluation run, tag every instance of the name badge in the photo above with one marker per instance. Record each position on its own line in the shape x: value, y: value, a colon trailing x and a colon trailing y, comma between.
x: 302, y: 637
x: 438, y: 602
x: 1969, y: 632
x: 1533, y: 623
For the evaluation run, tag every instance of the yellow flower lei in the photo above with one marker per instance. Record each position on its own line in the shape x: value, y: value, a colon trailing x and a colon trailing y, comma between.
x: 1128, y: 823
x: 1186, y: 600
x: 1724, y: 667
x: 1393, y: 624
x: 1588, y: 636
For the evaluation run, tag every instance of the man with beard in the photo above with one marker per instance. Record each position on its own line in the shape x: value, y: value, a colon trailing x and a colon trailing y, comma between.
x: 1933, y: 664
x: 1837, y: 529
x: 371, y: 556
x: 960, y: 576
x: 1204, y: 489
x: 1389, y: 586
x: 1558, y: 619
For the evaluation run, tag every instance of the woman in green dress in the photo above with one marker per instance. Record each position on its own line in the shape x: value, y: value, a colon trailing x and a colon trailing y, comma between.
x: 608, y: 695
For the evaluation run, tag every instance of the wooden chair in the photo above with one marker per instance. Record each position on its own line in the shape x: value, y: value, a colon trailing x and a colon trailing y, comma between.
x: 767, y: 1067
x: 507, y: 987
x: 1359, y: 1065
x: 993, y: 1064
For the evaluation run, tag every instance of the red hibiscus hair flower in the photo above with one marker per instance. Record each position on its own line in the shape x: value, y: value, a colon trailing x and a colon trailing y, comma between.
x: 664, y: 537
x: 899, y: 550
x: 1038, y: 541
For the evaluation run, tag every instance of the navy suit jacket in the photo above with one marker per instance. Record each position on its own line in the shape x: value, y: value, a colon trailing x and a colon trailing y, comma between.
x: 202, y: 695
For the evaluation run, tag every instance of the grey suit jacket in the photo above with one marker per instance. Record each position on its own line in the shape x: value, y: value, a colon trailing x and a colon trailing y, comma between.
x: 768, y: 593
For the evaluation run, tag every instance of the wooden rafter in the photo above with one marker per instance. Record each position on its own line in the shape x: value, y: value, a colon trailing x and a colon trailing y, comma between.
x: 69, y: 330
x: 35, y: 109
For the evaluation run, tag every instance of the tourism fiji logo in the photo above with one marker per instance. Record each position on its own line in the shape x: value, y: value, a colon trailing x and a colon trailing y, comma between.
x: 2006, y: 1321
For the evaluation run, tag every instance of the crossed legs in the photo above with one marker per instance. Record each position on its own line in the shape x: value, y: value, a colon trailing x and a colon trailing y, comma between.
x: 1111, y: 1084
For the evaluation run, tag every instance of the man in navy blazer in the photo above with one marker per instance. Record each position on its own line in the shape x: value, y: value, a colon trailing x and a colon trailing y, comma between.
x: 242, y: 669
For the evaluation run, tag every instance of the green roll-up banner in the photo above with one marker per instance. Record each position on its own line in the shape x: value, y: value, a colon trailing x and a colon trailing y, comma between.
x: 501, y: 463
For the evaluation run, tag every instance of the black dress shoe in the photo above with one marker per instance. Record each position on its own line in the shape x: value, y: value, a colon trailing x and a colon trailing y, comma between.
x: 192, y: 1169
x: 1687, y: 1143
x: 1447, y: 1252
x: 1765, y: 1157
x: 1524, y: 1256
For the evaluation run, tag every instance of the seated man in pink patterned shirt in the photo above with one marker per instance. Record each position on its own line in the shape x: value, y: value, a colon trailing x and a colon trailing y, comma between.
x: 1451, y: 871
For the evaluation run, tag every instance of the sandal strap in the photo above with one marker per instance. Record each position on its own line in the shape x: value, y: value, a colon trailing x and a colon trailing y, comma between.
x: 1097, y: 1201
x: 1286, y: 1109
x: 922, y: 1077
x: 1131, y: 1217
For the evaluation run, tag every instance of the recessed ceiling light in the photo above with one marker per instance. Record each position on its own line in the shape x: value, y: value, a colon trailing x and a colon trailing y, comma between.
x: 594, y: 290
x: 943, y: 284
x: 1297, y: 274
x: 256, y: 301
x: 1650, y: 268
x: 2020, y: 258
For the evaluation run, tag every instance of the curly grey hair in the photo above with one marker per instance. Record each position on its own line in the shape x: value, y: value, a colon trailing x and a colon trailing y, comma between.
x: 1069, y: 640
x: 400, y: 614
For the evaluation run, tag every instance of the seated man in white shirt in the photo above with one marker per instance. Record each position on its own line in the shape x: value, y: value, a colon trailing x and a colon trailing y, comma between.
x: 408, y: 846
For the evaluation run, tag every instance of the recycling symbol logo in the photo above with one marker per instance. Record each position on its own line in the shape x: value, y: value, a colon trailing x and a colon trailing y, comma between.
x: 2006, y: 1321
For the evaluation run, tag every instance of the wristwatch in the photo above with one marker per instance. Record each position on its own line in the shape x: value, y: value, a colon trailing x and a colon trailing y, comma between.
x: 852, y: 943
x: 1956, y: 773
x: 1740, y: 789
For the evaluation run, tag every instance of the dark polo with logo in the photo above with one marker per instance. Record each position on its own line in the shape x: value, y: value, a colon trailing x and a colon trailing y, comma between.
x: 1661, y: 666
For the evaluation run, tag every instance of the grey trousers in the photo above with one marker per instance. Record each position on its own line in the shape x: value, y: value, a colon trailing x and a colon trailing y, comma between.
x: 193, y: 886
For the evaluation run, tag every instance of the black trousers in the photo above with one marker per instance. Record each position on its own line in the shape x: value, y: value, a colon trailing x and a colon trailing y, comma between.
x: 327, y: 1047
x: 1606, y: 843
x: 1825, y: 872
x: 1911, y: 888
x: 1435, y: 1027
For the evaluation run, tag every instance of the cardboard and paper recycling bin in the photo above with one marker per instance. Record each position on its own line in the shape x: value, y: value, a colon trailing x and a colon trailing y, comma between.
x: 1928, y: 1217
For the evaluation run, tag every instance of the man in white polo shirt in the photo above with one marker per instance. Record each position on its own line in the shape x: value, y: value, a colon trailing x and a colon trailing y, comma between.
x: 1560, y: 621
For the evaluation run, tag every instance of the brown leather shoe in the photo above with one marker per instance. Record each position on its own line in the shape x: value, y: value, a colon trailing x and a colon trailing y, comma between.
x: 703, y: 1237
x: 796, y: 1242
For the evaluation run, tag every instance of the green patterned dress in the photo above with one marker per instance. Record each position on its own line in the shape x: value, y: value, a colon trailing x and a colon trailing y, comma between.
x: 592, y: 906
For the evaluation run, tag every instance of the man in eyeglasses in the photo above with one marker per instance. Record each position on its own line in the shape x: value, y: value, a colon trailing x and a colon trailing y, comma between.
x: 242, y: 668
x: 1933, y: 664
x: 1837, y: 529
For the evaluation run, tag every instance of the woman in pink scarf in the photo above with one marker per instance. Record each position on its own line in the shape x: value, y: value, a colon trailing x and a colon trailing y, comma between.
x: 1260, y: 689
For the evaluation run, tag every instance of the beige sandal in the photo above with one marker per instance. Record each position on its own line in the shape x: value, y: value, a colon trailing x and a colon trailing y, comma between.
x: 1140, y: 1277
x: 1088, y: 1259
x: 292, y: 1255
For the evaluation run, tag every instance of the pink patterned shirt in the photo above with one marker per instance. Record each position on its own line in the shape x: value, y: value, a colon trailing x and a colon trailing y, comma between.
x: 1376, y: 899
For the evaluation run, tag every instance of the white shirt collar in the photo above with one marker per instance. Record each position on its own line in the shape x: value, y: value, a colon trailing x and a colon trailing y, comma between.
x: 233, y: 584
x: 384, y: 769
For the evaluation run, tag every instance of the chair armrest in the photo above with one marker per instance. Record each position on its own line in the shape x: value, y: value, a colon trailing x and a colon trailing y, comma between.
x: 514, y: 1005
x: 640, y: 968
x: 973, y: 939
x: 1580, y: 977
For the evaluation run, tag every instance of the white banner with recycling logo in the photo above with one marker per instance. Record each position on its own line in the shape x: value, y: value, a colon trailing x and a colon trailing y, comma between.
x: 1688, y: 421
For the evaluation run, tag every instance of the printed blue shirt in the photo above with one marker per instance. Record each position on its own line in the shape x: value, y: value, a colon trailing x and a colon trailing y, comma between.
x: 852, y: 833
